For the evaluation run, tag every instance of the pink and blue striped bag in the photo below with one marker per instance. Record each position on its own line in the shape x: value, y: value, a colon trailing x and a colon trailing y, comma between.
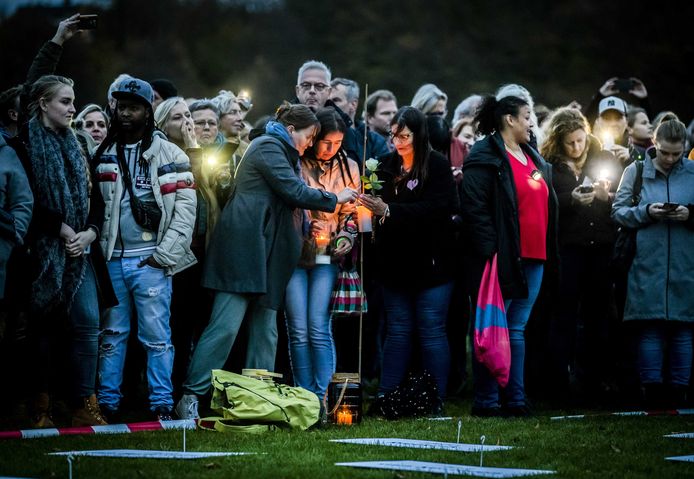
x: 491, y: 342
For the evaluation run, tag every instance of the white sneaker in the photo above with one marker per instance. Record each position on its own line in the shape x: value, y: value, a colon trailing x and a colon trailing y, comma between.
x: 187, y: 407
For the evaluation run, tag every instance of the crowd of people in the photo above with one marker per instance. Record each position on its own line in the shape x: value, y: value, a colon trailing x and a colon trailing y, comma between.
x: 175, y: 219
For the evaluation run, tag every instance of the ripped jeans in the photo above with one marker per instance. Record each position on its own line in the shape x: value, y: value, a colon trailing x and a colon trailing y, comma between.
x: 146, y: 292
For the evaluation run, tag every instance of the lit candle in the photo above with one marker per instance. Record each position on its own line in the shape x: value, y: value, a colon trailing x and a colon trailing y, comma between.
x: 321, y: 249
x: 344, y: 416
x: 322, y: 241
x: 364, y: 219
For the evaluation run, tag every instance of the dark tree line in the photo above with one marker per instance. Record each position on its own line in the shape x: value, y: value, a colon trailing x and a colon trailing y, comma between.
x: 560, y: 51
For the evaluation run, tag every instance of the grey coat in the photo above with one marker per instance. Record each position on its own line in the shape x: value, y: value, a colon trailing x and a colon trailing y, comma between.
x: 16, y: 202
x: 257, y: 242
x: 660, y: 279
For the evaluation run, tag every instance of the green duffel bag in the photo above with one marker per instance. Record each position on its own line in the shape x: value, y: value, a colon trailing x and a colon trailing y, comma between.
x: 245, y: 402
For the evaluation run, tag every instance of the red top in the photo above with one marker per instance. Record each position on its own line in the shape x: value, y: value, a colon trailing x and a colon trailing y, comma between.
x: 533, y: 208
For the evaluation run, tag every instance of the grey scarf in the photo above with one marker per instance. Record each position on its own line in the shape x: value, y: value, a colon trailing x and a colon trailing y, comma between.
x: 60, y: 184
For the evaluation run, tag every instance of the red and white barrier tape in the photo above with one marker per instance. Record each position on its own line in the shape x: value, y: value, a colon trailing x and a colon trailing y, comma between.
x: 109, y: 429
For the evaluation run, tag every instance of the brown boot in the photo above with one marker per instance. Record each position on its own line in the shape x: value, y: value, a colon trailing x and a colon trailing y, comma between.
x: 41, y: 412
x: 89, y: 414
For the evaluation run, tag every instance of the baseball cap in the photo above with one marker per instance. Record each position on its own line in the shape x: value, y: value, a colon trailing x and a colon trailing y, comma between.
x: 134, y: 89
x: 612, y: 103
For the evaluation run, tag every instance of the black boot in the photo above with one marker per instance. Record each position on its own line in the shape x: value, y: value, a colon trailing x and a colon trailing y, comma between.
x: 676, y: 396
x: 653, y: 395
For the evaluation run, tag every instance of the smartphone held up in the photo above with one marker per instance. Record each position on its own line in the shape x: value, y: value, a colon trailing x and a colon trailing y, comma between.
x: 87, y: 22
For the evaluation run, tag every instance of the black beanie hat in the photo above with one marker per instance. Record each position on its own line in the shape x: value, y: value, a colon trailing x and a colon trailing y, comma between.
x: 164, y: 87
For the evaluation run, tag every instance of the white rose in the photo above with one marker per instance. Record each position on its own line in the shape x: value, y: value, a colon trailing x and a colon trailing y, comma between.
x: 372, y: 164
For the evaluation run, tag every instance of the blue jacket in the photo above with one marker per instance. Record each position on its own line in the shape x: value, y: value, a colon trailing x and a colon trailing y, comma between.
x: 660, y: 281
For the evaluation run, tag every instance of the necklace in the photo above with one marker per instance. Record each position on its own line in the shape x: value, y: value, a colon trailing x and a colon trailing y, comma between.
x: 520, y: 158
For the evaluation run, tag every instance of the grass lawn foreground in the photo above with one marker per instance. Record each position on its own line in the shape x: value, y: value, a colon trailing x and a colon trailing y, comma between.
x: 597, y: 447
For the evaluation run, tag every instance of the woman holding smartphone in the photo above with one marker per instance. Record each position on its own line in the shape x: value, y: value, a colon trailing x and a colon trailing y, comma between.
x: 660, y: 285
x: 583, y: 175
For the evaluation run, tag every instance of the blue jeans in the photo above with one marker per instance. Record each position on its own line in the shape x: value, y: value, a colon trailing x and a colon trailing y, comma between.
x: 149, y: 291
x: 84, y: 325
x: 422, y: 312
x: 311, y: 346
x: 655, y: 338
x: 215, y: 344
x: 518, y: 311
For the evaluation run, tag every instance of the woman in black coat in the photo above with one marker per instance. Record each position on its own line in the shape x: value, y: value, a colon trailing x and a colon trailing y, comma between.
x: 583, y: 177
x: 509, y: 209
x: 414, y: 250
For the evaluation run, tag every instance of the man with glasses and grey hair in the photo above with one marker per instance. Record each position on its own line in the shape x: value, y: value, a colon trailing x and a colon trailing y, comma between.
x: 313, y: 89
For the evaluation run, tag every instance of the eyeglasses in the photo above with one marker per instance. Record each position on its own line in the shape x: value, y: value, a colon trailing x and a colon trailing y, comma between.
x: 319, y: 87
x: 232, y: 112
x: 401, y: 136
x: 203, y: 123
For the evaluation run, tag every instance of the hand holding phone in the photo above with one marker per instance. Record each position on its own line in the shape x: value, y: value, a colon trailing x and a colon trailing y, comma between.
x: 87, y: 22
x: 669, y: 207
x: 586, y: 189
x: 624, y: 84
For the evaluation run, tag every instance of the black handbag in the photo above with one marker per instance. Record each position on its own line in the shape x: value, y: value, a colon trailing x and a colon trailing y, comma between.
x: 416, y: 396
x: 145, y: 213
x: 625, y: 245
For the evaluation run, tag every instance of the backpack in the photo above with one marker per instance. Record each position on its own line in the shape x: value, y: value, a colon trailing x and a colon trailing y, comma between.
x: 247, y: 404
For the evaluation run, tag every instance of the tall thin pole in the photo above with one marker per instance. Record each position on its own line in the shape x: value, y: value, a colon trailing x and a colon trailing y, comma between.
x: 361, y: 243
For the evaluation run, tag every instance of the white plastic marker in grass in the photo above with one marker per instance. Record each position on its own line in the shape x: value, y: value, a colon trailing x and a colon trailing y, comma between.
x: 683, y: 435
x: 680, y: 458
x: 666, y: 412
x: 460, y: 425
x: 421, y: 444
x: 482, y: 439
x: 69, y: 466
x: 444, y: 469
x: 145, y: 454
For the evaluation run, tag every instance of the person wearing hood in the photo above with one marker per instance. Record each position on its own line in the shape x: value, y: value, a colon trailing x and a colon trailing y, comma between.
x: 256, y: 247
x: 509, y: 209
x: 150, y: 203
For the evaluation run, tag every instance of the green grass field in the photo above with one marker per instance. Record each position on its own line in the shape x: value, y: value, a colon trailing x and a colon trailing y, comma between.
x: 599, y: 447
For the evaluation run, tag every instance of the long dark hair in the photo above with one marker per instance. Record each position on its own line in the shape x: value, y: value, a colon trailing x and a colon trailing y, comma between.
x: 416, y: 121
x: 331, y: 122
x: 490, y: 115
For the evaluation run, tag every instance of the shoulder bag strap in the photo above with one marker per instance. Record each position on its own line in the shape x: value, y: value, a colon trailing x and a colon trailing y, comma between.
x: 638, y: 181
x: 125, y: 172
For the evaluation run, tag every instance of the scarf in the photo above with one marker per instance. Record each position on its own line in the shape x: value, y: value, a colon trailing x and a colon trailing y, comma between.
x: 276, y: 128
x: 60, y: 184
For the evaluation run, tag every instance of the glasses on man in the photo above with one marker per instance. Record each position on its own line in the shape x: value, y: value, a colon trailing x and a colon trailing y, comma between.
x: 400, y: 136
x: 319, y: 87
x: 204, y: 123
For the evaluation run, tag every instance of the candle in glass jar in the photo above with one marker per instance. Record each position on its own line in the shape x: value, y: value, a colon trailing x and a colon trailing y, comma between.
x: 322, y: 241
x: 344, y: 416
